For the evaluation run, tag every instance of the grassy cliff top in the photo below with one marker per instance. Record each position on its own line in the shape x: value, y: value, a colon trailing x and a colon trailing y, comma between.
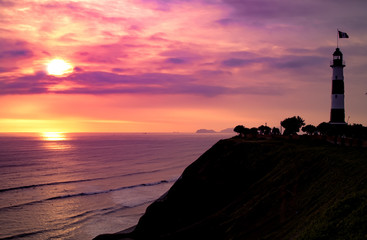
x: 264, y: 189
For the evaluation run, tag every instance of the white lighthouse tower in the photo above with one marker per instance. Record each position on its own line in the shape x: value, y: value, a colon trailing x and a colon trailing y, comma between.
x: 337, y: 114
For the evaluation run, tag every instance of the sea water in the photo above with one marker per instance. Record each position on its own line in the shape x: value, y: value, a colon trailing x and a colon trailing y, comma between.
x: 77, y: 186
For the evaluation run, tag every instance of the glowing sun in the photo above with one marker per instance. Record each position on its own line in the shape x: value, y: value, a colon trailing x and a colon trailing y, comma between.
x: 59, y: 67
x: 53, y: 136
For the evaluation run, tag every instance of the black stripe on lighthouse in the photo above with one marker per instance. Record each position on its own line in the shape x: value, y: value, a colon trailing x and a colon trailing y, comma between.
x: 337, y: 87
x: 337, y: 115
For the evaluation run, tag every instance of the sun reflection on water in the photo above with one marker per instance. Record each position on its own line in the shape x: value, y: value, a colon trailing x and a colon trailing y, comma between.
x: 55, y: 140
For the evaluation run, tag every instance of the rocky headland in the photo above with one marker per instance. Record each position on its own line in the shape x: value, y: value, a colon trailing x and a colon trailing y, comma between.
x: 263, y: 189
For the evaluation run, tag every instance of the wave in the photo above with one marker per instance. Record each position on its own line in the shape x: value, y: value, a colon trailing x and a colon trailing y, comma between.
x: 108, y: 191
x: 27, y: 234
x: 78, y: 220
x: 74, y: 181
x: 20, y: 164
x: 82, y: 194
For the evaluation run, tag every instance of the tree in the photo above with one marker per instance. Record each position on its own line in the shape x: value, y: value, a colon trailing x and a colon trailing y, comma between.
x: 323, y: 128
x: 309, y: 129
x: 241, y: 130
x: 357, y: 131
x: 264, y: 130
x: 254, y: 132
x: 267, y: 130
x: 275, y: 131
x: 292, y: 125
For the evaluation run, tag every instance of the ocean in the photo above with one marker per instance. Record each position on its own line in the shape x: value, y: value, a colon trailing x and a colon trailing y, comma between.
x: 80, y: 185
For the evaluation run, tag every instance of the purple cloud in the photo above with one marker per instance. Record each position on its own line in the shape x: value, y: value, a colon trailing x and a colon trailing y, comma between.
x: 119, y: 70
x: 183, y: 55
x: 10, y: 49
x: 212, y: 73
x: 6, y: 3
x: 20, y: 53
x: 112, y: 83
x: 194, y: 89
x: 296, y: 62
x: 41, y: 75
x: 298, y: 16
x: 108, y: 78
x: 284, y: 62
x: 175, y: 60
x: 237, y: 62
x: 78, y: 69
x: 3, y: 69
x: 267, y: 9
x: 28, y: 84
x: 226, y: 21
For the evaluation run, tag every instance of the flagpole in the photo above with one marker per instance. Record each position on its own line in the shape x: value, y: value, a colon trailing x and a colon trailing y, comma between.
x: 337, y: 38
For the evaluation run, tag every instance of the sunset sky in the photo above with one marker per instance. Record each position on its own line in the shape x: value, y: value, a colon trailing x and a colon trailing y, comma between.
x: 176, y: 65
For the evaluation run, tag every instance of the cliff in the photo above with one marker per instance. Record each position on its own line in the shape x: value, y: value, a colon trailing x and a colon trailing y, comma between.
x: 263, y: 189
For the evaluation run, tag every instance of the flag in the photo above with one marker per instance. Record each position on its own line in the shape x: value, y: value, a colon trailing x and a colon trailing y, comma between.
x: 343, y: 35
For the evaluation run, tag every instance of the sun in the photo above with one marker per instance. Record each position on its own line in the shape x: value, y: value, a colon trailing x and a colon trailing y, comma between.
x: 58, y: 67
x: 53, y: 136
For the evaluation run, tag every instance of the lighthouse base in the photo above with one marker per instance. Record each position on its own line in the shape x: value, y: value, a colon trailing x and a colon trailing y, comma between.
x: 337, y: 116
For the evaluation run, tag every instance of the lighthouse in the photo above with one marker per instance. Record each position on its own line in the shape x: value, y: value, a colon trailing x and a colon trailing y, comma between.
x: 337, y: 114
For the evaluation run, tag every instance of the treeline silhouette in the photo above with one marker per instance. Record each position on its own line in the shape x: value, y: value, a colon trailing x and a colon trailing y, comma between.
x: 293, y: 125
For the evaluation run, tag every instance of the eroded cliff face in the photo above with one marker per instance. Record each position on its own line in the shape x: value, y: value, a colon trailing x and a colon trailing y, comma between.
x: 261, y: 189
